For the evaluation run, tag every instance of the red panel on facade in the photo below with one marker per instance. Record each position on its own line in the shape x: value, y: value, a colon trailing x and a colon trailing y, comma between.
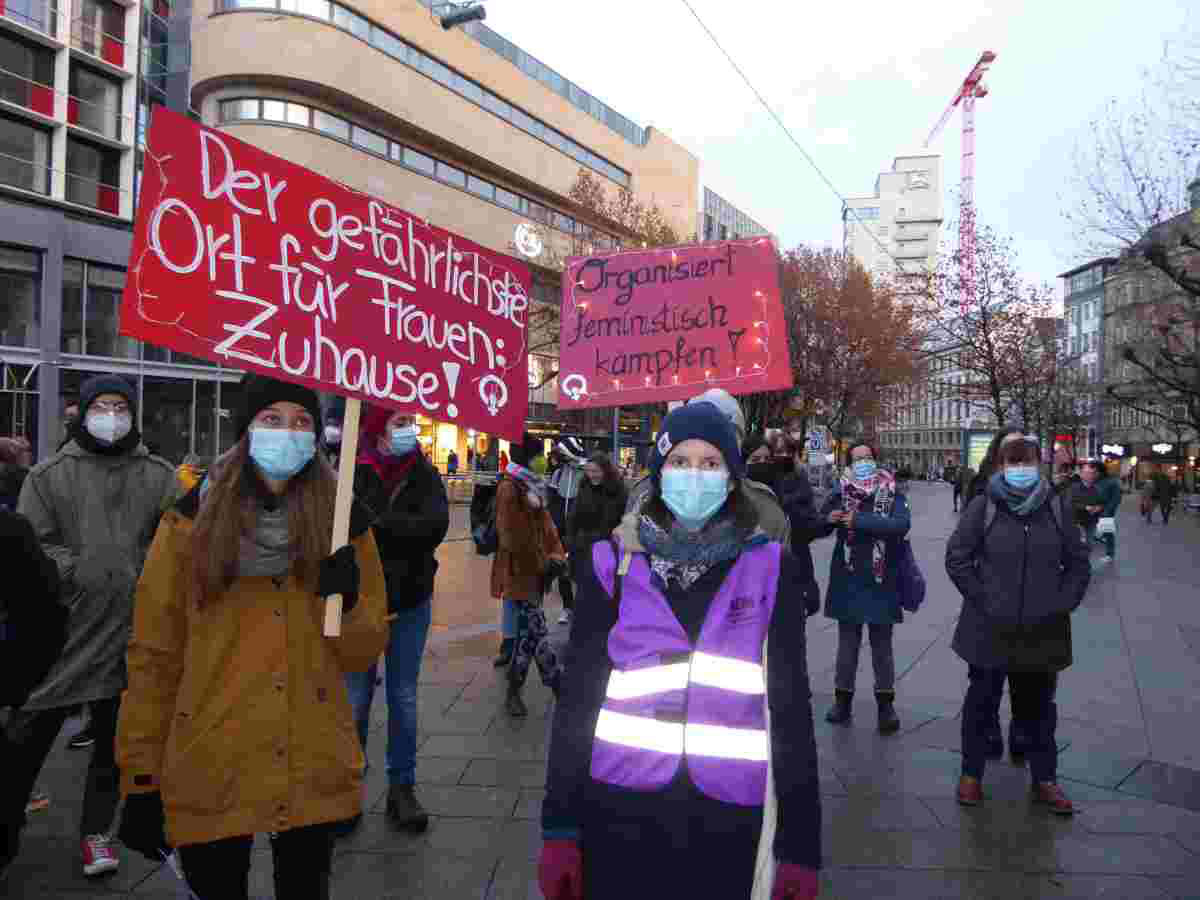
x: 41, y: 97
x: 108, y: 199
x: 73, y: 110
x: 112, y: 51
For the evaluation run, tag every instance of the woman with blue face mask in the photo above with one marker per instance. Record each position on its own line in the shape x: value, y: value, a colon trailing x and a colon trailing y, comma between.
x: 871, y: 518
x: 1018, y: 558
x: 236, y: 720
x: 686, y: 680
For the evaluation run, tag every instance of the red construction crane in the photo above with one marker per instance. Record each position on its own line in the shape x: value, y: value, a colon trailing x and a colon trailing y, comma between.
x: 971, y: 89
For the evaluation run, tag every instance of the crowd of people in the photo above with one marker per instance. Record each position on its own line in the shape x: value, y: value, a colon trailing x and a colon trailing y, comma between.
x: 183, y: 609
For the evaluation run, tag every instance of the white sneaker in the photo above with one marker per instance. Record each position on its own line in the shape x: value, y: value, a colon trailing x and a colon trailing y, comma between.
x: 98, y: 855
x: 565, y: 618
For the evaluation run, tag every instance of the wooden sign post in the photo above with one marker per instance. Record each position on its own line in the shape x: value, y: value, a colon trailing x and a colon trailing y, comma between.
x: 342, y: 506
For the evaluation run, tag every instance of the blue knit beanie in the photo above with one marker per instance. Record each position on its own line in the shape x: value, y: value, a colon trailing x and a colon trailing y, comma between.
x: 702, y: 421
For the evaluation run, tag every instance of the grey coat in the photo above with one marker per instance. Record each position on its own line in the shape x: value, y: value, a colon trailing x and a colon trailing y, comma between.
x: 1022, y: 568
x: 95, y: 517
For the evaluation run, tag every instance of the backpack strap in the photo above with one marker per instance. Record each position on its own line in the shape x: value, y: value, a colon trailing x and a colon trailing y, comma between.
x: 622, y: 559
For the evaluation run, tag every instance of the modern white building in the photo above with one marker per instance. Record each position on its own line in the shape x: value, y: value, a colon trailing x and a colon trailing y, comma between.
x: 894, y: 231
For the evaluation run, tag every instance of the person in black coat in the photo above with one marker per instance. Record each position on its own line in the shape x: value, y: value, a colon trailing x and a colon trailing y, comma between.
x: 33, y: 630
x: 1019, y: 561
x: 598, y: 509
x: 411, y: 515
x: 790, y: 483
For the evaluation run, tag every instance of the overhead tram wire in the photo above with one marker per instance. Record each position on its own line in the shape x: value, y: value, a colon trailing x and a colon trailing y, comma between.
x: 778, y: 121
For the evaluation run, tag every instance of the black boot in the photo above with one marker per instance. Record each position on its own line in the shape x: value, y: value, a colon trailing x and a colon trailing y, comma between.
x: 841, y: 711
x: 506, y: 653
x: 404, y: 810
x: 889, y: 722
x: 514, y: 705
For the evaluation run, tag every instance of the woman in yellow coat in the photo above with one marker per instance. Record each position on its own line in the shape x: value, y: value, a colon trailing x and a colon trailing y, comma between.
x: 236, y: 719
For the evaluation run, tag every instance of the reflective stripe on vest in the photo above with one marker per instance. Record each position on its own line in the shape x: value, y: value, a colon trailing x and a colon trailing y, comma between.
x: 723, y: 672
x: 695, y: 739
x: 626, y: 685
x: 727, y: 673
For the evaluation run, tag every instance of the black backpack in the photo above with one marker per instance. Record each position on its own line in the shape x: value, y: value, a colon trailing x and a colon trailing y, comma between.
x: 483, y: 519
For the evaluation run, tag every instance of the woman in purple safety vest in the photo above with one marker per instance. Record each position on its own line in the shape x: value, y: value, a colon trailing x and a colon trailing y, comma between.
x: 687, y: 627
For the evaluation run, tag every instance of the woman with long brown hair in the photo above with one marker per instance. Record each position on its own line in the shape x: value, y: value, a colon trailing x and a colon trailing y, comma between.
x: 236, y: 720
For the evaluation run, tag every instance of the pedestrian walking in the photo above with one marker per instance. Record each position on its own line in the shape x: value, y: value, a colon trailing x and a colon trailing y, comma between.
x: 1019, y: 561
x: 33, y: 631
x: 94, y: 506
x: 530, y: 553
x: 410, y: 516
x: 564, y: 485
x: 667, y: 652
x: 804, y: 521
x: 236, y: 720
x: 598, y: 509
x: 1098, y: 498
x: 451, y: 463
x: 871, y: 519
x: 1161, y: 493
x: 962, y: 485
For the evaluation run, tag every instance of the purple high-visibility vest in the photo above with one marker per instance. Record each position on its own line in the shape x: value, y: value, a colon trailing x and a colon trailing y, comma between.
x: 667, y: 700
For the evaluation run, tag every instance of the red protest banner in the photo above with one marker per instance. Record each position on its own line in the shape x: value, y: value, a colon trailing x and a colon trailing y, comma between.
x: 244, y: 258
x: 669, y: 323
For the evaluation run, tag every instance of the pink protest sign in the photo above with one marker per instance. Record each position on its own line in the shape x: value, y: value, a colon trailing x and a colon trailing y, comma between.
x: 666, y: 324
x: 244, y: 258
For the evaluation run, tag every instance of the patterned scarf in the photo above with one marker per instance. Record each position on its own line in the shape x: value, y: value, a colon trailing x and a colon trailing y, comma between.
x: 855, y: 492
x: 535, y: 484
x: 684, y: 556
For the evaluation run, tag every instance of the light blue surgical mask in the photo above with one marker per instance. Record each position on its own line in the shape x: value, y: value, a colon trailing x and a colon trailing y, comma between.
x: 280, y: 452
x: 864, y: 468
x: 694, y: 496
x: 1022, y: 477
x: 403, y: 440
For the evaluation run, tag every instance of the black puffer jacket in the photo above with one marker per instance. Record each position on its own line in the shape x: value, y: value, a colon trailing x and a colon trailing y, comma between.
x: 796, y: 498
x: 1020, y: 569
x: 409, y: 523
x: 594, y: 514
x: 33, y: 620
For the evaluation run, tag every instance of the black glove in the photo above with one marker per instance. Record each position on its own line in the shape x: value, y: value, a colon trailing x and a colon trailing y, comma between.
x: 339, y: 575
x: 143, y: 826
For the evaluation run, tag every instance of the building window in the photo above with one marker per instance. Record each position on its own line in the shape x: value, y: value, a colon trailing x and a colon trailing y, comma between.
x: 331, y: 125
x: 94, y: 102
x: 24, y: 156
x: 481, y: 187
x: 99, y: 29
x: 27, y: 75
x: 369, y: 140
x: 451, y: 175
x: 91, y: 300
x: 93, y: 176
x: 40, y: 15
x: 20, y: 283
x: 420, y: 162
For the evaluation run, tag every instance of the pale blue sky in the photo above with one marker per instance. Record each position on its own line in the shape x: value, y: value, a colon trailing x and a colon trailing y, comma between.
x: 859, y: 83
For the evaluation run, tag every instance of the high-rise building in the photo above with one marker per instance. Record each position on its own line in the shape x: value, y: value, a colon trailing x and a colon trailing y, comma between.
x: 720, y: 220
x: 894, y: 232
x: 1083, y: 344
x: 76, y: 77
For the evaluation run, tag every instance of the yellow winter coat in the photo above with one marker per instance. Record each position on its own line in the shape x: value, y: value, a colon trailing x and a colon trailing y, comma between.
x: 238, y: 712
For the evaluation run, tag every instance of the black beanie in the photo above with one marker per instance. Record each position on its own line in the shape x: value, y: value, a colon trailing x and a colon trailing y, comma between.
x: 106, y: 384
x: 259, y: 392
x: 702, y: 421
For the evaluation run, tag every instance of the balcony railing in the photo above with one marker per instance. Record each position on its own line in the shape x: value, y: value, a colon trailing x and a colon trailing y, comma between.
x: 96, y: 194
x: 98, y: 117
x: 89, y: 38
x: 27, y: 93
x: 39, y: 15
x: 16, y: 171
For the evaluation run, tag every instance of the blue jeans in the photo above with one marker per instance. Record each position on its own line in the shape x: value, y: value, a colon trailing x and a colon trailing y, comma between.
x: 1109, y: 540
x: 402, y: 666
x: 1035, y: 717
x: 508, y: 619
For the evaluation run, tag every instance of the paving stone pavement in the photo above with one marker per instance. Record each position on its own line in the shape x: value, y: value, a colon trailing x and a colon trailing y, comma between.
x: 1129, y: 757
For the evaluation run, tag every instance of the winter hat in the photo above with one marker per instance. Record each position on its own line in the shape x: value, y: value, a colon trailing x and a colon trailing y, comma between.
x: 259, y: 392
x: 374, y: 423
x: 705, y: 422
x: 723, y: 400
x: 106, y: 384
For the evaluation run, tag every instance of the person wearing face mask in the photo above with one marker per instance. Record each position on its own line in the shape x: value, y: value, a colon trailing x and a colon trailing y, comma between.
x: 871, y: 519
x: 658, y: 761
x: 598, y: 508
x: 236, y: 720
x: 94, y: 506
x: 1018, y: 558
x: 410, y: 517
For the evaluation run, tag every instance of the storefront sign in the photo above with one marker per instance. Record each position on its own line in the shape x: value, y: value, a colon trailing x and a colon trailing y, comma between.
x: 251, y: 261
x: 667, y: 324
x: 1113, y: 450
x: 1163, y: 448
x: 977, y: 447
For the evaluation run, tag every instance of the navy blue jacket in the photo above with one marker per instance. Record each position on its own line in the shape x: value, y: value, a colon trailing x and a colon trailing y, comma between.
x: 854, y: 595
x: 637, y: 831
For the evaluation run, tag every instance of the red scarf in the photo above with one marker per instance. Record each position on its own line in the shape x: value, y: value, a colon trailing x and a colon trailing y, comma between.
x: 392, y: 469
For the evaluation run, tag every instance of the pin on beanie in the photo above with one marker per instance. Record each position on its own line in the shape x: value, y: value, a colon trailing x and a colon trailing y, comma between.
x: 698, y: 421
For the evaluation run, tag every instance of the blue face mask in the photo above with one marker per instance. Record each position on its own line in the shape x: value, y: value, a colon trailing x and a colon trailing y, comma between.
x: 403, y: 440
x: 1022, y: 477
x: 864, y: 468
x: 279, y: 452
x: 693, y: 496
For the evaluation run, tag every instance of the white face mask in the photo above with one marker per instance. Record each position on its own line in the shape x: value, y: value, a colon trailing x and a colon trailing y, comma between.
x: 108, y: 427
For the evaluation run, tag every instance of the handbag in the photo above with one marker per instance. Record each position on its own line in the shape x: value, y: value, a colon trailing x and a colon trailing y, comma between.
x: 910, y: 582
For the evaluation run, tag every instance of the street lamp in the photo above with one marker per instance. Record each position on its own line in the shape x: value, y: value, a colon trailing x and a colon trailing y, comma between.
x: 460, y: 14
